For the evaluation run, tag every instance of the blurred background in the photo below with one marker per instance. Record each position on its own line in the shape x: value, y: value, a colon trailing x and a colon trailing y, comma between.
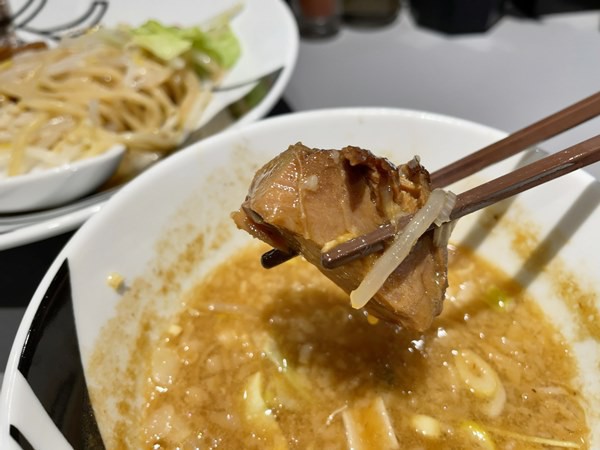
x: 322, y: 18
x: 502, y: 63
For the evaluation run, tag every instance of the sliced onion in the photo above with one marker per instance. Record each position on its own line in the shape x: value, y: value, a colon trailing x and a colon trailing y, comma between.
x: 483, y: 381
x: 495, y: 406
x: 444, y: 215
x: 351, y: 429
x: 477, y: 374
x: 400, y: 248
x: 441, y: 235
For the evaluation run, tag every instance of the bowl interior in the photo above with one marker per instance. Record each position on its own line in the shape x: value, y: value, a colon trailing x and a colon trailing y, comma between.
x: 171, y: 225
x: 55, y: 186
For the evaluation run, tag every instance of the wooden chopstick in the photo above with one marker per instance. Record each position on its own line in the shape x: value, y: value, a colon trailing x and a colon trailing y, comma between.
x: 522, y: 179
x: 516, y: 142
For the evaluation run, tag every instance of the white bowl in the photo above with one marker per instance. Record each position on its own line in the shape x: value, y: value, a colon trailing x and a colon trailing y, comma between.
x: 142, y: 230
x: 262, y: 53
x: 57, y: 186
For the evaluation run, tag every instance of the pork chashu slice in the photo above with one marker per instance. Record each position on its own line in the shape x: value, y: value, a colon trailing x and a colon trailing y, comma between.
x: 307, y: 199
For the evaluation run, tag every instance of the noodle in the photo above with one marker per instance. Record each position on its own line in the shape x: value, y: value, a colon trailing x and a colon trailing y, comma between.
x: 90, y: 93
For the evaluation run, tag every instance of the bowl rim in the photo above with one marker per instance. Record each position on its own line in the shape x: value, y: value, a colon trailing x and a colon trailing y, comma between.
x: 114, y: 151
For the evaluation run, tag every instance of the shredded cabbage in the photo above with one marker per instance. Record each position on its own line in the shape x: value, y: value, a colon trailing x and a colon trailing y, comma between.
x: 162, y: 41
x: 210, y: 50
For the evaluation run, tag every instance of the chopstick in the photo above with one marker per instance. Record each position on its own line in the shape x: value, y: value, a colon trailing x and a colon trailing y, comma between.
x: 522, y: 179
x: 542, y: 130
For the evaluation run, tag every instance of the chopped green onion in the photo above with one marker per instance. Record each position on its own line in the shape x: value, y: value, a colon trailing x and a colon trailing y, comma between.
x: 499, y: 299
x: 478, y: 435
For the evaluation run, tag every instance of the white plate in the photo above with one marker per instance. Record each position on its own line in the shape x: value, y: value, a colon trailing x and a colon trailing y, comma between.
x: 267, y: 31
x: 160, y: 215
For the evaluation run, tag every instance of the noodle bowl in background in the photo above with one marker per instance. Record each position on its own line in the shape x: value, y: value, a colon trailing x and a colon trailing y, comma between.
x: 89, y: 93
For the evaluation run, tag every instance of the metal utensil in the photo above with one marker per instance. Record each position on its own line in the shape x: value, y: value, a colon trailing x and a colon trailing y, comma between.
x: 268, y: 79
x: 7, y: 32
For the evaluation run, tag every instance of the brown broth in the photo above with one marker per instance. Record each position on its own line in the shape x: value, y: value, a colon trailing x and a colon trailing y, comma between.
x: 320, y: 360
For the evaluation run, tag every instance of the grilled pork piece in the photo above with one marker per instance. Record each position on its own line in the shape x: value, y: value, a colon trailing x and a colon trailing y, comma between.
x: 306, y: 200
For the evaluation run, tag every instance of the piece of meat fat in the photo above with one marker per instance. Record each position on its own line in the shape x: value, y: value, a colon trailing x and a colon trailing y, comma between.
x: 305, y: 199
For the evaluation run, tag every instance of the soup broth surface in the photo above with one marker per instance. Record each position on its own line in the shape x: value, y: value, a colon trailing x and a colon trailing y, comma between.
x: 279, y: 359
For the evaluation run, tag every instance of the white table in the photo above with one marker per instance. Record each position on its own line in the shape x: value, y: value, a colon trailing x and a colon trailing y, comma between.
x: 518, y: 72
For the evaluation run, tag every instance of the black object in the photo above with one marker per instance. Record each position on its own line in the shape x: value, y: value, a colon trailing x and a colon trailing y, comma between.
x: 537, y: 8
x: 370, y: 13
x: 457, y: 16
x: 16, y: 434
x: 22, y: 269
x: 51, y: 363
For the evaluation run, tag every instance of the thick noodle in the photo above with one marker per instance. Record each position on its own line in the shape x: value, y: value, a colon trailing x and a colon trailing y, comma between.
x: 80, y: 98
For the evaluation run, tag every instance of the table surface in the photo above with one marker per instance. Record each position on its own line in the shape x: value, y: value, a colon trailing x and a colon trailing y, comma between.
x: 518, y: 72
